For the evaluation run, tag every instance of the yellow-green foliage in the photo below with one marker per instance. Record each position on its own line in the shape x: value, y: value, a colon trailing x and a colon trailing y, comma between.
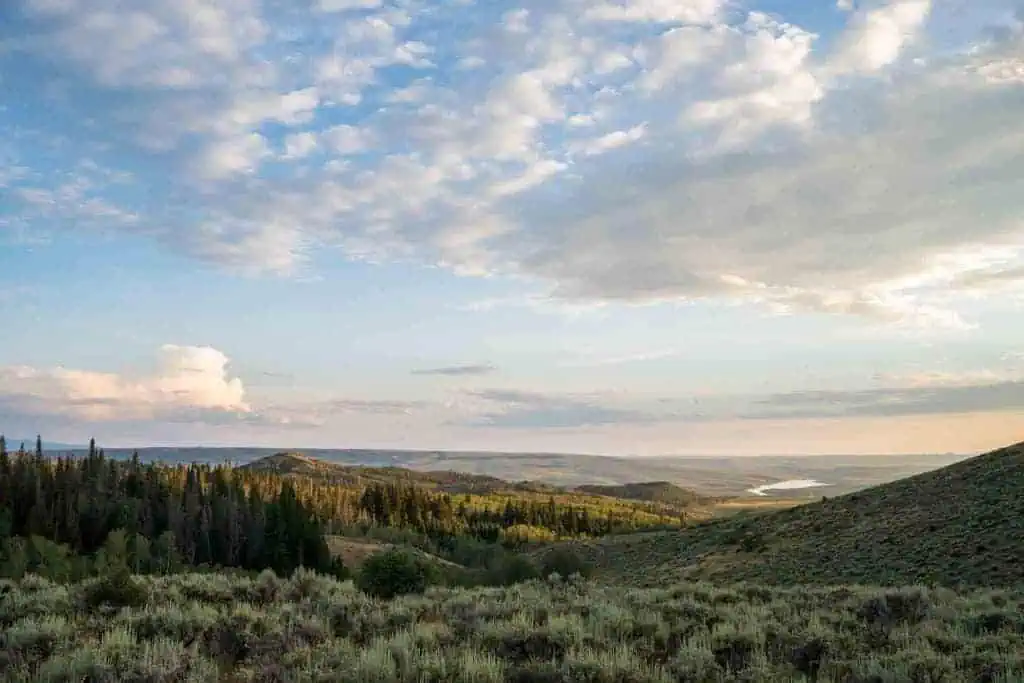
x: 524, y: 533
x: 208, y: 627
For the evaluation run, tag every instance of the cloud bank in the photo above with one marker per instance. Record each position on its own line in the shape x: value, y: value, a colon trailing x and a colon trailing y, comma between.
x: 652, y: 151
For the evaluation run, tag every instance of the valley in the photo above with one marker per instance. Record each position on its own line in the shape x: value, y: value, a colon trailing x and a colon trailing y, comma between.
x: 710, y: 475
x: 294, y: 568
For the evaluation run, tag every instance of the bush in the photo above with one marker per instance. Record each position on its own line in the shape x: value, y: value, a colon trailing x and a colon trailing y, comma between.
x: 117, y: 589
x: 565, y: 562
x: 395, y: 572
x: 515, y: 569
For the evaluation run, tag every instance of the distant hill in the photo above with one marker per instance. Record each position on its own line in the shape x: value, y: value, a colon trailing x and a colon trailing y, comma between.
x: 302, y: 465
x: 959, y: 525
x: 712, y: 476
x: 650, y: 491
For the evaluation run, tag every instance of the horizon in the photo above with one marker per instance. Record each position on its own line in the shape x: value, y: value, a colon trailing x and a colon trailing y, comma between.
x: 654, y: 228
x: 29, y: 444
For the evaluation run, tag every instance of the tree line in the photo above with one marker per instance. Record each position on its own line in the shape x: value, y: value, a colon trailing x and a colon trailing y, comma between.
x: 76, y: 516
x: 83, y: 511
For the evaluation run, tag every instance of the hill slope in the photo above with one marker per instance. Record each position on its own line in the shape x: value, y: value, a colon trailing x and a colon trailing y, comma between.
x: 301, y: 465
x: 649, y: 491
x: 959, y: 525
x: 715, y: 476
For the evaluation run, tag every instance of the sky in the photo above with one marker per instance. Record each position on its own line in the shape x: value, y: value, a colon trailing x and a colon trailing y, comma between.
x: 627, y: 227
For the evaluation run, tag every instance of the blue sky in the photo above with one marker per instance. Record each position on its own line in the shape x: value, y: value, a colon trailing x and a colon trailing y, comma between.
x: 607, y: 226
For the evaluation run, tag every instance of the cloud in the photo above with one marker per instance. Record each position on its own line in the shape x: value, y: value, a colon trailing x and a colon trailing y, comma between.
x: 535, y: 410
x: 878, y: 34
x: 459, y: 370
x: 189, y: 383
x: 372, y: 406
x: 727, y: 154
x: 894, y: 402
x: 921, y: 393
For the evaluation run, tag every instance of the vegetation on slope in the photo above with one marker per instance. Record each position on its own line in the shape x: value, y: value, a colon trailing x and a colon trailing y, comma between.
x: 207, y: 627
x: 291, y: 463
x: 962, y: 525
x: 651, y: 491
x: 71, y: 517
x: 58, y: 514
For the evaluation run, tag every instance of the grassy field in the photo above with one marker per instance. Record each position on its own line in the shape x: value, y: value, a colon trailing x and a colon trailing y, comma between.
x: 214, y: 627
x: 962, y: 525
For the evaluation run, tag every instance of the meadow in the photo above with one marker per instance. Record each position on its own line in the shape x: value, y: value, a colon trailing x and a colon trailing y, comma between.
x: 206, y: 627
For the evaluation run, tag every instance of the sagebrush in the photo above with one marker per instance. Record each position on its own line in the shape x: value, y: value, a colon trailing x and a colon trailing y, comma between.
x: 210, y: 627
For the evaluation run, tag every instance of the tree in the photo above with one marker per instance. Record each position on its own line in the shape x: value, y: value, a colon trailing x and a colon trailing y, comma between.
x: 395, y: 572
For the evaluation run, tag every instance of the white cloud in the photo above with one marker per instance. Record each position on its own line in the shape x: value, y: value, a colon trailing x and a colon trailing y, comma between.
x: 691, y: 12
x: 188, y: 382
x: 346, y: 5
x: 299, y: 145
x: 612, y: 140
x: 345, y: 139
x: 231, y: 156
x: 878, y: 34
x: 759, y: 175
x: 154, y: 44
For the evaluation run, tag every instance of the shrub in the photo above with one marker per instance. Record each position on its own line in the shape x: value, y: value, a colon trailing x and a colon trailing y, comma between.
x: 516, y: 568
x: 116, y: 589
x: 565, y: 562
x: 395, y: 572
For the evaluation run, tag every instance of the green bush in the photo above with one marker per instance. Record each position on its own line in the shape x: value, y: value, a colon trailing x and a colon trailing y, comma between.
x: 116, y: 589
x: 515, y: 568
x: 395, y: 572
x: 565, y: 562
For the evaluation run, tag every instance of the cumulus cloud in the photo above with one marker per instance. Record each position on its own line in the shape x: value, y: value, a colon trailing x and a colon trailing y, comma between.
x: 189, y: 382
x: 608, y: 152
x: 878, y: 33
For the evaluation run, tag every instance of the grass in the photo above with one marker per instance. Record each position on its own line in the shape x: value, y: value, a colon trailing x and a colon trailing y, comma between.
x: 960, y: 526
x: 355, y: 551
x: 211, y: 627
x: 652, y: 491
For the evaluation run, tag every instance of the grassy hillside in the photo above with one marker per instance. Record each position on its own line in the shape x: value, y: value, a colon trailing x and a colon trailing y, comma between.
x: 960, y: 525
x: 204, y: 628
x: 650, y: 491
x: 301, y: 465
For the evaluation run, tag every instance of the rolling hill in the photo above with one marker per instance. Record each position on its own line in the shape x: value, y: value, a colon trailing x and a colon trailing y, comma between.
x: 650, y: 491
x: 709, y: 475
x: 961, y: 525
x: 301, y: 465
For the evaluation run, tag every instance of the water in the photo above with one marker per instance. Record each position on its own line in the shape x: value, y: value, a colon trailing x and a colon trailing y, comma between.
x: 786, y: 485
